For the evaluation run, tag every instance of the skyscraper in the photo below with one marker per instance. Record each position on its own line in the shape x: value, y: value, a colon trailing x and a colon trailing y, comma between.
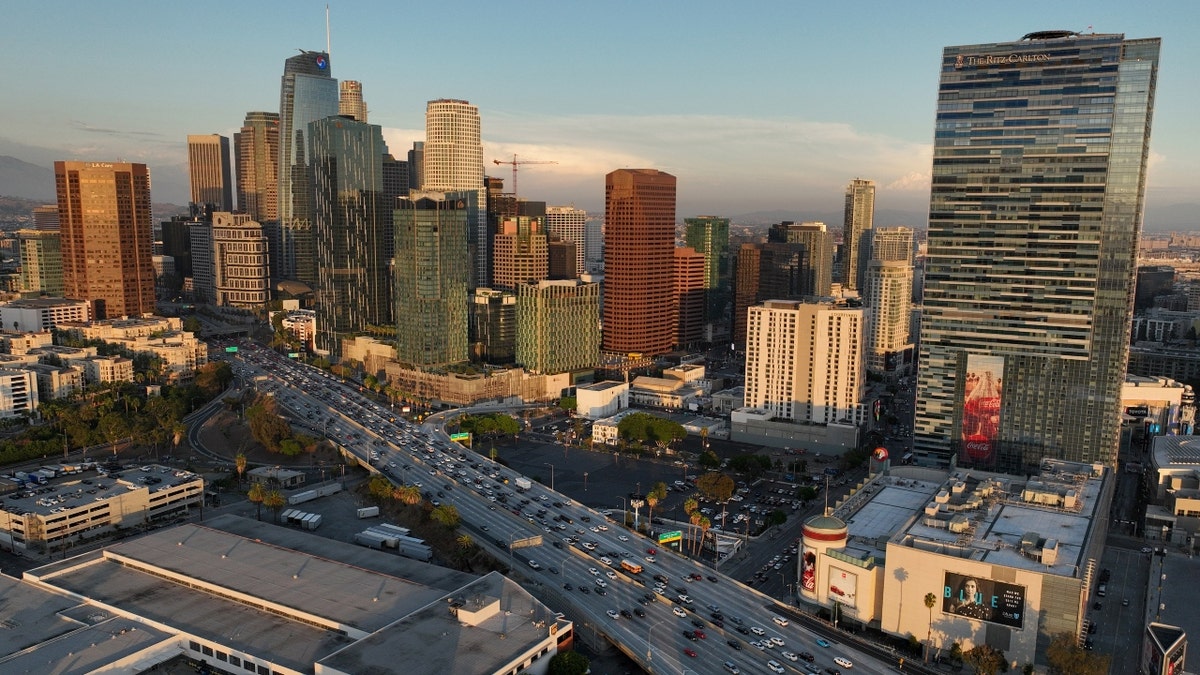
x: 240, y: 274
x: 558, y: 326
x: 350, y: 101
x: 688, y: 296
x: 1039, y: 175
x: 431, y: 275
x: 453, y: 162
x: 45, y: 217
x: 208, y: 171
x: 639, y: 240
x: 307, y: 93
x: 815, y: 237
x: 520, y: 252
x: 41, y: 262
x: 351, y: 230
x: 570, y: 224
x: 104, y: 219
x: 887, y: 297
x: 859, y: 219
x: 709, y: 235
x: 256, y: 151
x: 892, y: 244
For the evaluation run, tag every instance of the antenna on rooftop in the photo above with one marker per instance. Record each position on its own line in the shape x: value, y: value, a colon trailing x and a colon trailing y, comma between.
x: 327, y: 49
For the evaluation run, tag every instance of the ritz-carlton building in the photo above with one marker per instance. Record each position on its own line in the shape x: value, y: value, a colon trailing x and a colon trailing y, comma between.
x: 1039, y: 175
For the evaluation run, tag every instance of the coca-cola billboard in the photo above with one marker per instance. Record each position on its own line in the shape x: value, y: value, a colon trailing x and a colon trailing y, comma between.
x: 980, y: 408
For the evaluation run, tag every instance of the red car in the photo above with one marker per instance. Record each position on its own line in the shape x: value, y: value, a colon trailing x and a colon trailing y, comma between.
x: 700, y: 634
x: 690, y: 652
x: 652, y: 551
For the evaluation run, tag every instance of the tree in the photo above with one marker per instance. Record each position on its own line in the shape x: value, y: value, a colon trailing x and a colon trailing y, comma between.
x: 930, y: 601
x: 240, y: 463
x: 114, y: 427
x: 1066, y: 657
x: 705, y: 524
x: 446, y: 515
x: 709, y: 460
x: 654, y: 496
x: 380, y: 487
x: 407, y: 494
x: 716, y: 486
x: 568, y: 663
x: 256, y: 495
x: 275, y: 501
x: 986, y: 660
x: 694, y: 518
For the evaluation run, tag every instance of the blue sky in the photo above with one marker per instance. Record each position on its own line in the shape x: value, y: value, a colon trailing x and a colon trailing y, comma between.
x: 755, y: 106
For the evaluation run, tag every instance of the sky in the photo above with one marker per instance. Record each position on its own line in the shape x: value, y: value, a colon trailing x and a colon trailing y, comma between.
x: 754, y: 106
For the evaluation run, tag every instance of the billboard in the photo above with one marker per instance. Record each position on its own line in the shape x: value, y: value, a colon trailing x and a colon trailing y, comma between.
x: 808, y: 571
x: 843, y: 587
x: 980, y: 408
x: 984, y: 600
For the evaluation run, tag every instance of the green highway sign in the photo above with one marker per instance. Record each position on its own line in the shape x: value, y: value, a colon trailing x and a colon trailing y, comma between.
x: 668, y: 537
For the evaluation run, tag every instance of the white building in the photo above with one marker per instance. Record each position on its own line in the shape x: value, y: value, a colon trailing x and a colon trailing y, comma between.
x: 303, y: 324
x: 41, y: 314
x: 18, y: 393
x: 570, y: 224
x: 241, y: 267
x: 601, y: 399
x: 887, y: 297
x: 607, y: 429
x: 804, y: 362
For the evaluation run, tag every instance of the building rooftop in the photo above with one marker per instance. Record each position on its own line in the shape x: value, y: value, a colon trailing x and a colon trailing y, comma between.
x: 1176, y: 452
x: 44, y: 303
x: 602, y: 386
x: 66, y: 492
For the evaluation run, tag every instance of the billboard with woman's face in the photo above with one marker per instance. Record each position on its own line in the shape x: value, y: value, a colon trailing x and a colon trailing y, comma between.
x: 984, y: 600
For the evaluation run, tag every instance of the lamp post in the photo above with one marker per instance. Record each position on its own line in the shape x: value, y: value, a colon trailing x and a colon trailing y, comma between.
x: 624, y: 508
x: 551, y: 475
x: 649, y: 651
x: 585, y: 481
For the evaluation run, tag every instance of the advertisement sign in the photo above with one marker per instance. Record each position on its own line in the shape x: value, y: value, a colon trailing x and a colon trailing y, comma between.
x: 843, y: 587
x: 984, y: 600
x: 808, y: 571
x: 1137, y: 411
x: 980, y: 408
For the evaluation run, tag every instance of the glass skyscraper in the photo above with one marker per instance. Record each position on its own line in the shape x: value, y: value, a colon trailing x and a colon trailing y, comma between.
x: 307, y: 93
x: 1039, y: 174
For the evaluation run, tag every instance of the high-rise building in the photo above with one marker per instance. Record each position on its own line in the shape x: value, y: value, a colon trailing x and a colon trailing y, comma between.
x: 41, y: 262
x: 416, y: 165
x: 775, y: 270
x: 453, y: 162
x: 240, y: 273
x: 688, y: 297
x: 891, y: 244
x: 104, y: 219
x: 561, y: 259
x: 816, y: 239
x: 350, y: 101
x: 887, y: 297
x: 1039, y: 177
x: 351, y: 230
x: 307, y: 93
x: 256, y: 151
x: 859, y: 219
x: 209, y: 173
x: 804, y: 362
x: 431, y: 276
x: 570, y: 224
x: 45, y: 217
x: 558, y: 326
x: 492, y: 326
x: 593, y: 232
x: 639, y: 251
x: 520, y: 253
x: 709, y: 235
x: 200, y: 251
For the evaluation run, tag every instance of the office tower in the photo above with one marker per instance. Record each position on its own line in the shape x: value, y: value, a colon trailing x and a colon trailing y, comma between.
x: 453, y: 162
x: 776, y: 270
x: 804, y: 362
x: 395, y: 176
x: 240, y: 274
x: 561, y: 258
x: 45, y: 217
x: 887, y: 297
x: 520, y: 253
x: 687, y: 300
x: 431, y: 276
x: 352, y: 226
x: 416, y: 165
x: 177, y: 243
x: 104, y: 219
x: 816, y: 239
x: 1039, y: 175
x: 350, y: 101
x: 859, y: 219
x: 639, y: 252
x: 492, y: 326
x: 558, y: 326
x: 891, y: 244
x: 208, y: 172
x: 709, y: 235
x: 501, y: 207
x: 256, y: 151
x: 593, y: 232
x: 307, y: 93
x: 200, y: 247
x: 570, y: 224
x: 1152, y: 281
x: 41, y: 262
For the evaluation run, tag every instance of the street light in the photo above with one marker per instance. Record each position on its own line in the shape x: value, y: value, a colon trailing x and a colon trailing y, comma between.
x: 585, y: 481
x: 551, y: 475
x: 624, y: 508
x: 649, y: 653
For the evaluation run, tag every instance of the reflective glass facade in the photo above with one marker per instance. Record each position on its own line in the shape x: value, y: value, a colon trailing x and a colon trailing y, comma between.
x: 1038, y: 182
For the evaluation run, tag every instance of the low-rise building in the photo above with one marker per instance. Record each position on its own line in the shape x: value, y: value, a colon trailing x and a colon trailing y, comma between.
x: 42, y: 314
x: 181, y: 351
x: 18, y: 393
x: 302, y: 323
x: 601, y: 399
x: 97, y: 369
x: 607, y: 430
x: 726, y: 401
x: 274, y: 476
x: 54, y: 382
x: 20, y: 342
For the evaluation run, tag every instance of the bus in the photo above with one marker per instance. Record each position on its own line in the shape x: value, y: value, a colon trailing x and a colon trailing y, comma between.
x: 631, y: 567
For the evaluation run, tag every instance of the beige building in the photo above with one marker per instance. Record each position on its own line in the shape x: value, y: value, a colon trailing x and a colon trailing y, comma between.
x: 97, y: 369
x: 887, y: 297
x: 14, y: 342
x: 55, y: 382
x: 303, y: 324
x: 241, y: 265
x: 475, y: 387
x: 181, y: 351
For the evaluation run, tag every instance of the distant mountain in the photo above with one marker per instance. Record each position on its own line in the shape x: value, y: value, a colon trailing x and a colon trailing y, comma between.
x: 22, y: 179
x: 1171, y: 218
x: 832, y: 220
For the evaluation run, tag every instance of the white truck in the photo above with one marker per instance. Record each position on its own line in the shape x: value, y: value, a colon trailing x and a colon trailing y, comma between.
x: 368, y: 512
x: 523, y: 483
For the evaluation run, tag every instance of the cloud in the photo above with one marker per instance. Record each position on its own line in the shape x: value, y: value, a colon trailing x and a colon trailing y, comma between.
x: 84, y: 126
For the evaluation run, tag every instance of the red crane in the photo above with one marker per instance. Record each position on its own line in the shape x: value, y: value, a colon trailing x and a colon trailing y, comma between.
x: 514, y: 162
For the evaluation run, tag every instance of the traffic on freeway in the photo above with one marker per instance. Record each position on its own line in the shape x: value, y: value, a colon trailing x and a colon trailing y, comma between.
x: 666, y: 611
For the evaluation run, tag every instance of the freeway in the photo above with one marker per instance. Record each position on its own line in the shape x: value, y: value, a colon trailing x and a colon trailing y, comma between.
x: 674, y: 615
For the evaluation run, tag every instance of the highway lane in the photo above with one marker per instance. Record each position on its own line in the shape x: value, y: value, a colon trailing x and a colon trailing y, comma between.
x: 407, y: 453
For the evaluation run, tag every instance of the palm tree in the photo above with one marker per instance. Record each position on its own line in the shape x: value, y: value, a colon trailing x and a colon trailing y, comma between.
x: 407, y: 494
x: 695, y: 517
x: 690, y: 504
x: 705, y: 523
x: 240, y: 463
x: 445, y: 515
x: 656, y: 495
x: 275, y: 501
x: 930, y: 601
x: 256, y: 495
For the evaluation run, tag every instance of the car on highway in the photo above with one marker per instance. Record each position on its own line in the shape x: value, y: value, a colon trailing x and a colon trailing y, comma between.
x: 780, y: 620
x: 789, y: 656
x: 685, y: 599
x: 612, y: 614
x: 534, y: 564
x: 601, y: 583
x: 606, y: 560
x: 690, y: 635
x: 807, y: 656
x: 774, y: 666
x: 757, y: 645
x: 651, y: 559
x: 822, y: 642
x: 678, y: 612
x: 777, y: 641
x: 843, y: 662
x: 712, y: 578
x: 690, y: 652
x: 627, y: 614
x: 757, y: 630
x: 593, y: 571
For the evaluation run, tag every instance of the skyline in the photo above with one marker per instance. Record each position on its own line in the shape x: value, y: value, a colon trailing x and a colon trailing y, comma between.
x: 551, y: 83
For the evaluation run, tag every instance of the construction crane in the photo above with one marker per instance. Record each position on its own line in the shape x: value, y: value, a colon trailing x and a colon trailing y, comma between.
x: 514, y: 163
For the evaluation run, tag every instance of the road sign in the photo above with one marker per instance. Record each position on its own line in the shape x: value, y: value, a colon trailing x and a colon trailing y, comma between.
x: 293, y: 355
x: 231, y: 349
x: 831, y: 471
x: 668, y: 537
x: 535, y: 540
x: 464, y: 436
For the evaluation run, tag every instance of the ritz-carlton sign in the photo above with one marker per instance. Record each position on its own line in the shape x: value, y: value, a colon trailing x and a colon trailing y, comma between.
x: 998, y: 60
